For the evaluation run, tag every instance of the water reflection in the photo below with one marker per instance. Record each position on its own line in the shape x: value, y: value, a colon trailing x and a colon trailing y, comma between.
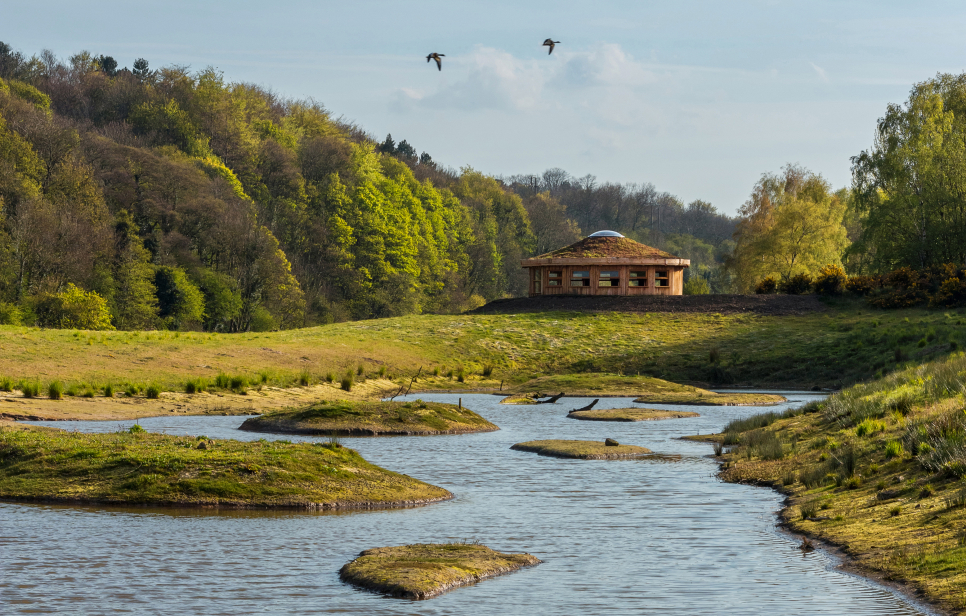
x: 629, y: 536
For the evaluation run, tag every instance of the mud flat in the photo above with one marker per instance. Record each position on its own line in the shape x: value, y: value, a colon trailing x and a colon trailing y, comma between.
x: 365, y: 418
x: 142, y: 468
x: 426, y: 570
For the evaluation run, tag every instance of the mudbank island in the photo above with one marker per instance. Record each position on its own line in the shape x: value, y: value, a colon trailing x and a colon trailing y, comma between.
x: 423, y: 571
x: 137, y: 467
x: 352, y: 418
x: 583, y: 450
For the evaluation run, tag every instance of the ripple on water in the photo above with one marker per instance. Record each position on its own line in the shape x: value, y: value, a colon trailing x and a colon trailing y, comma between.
x: 616, y: 537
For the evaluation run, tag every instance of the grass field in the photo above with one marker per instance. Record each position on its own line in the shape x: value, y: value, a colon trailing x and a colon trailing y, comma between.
x: 879, y: 469
x: 583, y: 450
x: 843, y: 345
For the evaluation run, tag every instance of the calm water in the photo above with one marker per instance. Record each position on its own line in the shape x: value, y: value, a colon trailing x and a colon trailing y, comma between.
x: 616, y: 537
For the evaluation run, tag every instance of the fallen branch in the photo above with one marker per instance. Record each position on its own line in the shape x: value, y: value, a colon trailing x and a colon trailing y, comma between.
x: 586, y: 408
x: 551, y: 400
x: 402, y: 387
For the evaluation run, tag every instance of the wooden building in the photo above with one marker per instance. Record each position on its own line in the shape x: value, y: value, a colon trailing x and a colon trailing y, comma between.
x: 606, y: 263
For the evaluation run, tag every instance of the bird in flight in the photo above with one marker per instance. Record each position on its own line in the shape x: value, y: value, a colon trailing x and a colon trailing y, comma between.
x: 438, y: 57
x: 550, y: 43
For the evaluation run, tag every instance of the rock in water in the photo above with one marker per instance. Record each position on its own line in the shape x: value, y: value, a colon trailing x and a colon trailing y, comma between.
x: 611, y: 443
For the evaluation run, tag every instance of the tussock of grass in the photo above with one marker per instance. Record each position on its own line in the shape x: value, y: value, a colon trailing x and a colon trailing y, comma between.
x: 343, y: 417
x: 45, y: 464
x: 423, y: 571
x: 584, y: 450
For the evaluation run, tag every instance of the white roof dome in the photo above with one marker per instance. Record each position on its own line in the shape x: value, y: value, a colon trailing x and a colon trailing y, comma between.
x: 605, y: 234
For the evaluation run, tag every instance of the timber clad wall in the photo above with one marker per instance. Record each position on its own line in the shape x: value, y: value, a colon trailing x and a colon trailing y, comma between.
x: 539, y: 280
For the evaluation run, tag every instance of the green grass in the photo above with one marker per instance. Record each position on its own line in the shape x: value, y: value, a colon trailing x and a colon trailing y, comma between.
x: 138, y: 467
x: 371, y: 418
x: 887, y: 459
x: 634, y: 414
x: 424, y: 571
x: 848, y: 343
x: 584, y: 450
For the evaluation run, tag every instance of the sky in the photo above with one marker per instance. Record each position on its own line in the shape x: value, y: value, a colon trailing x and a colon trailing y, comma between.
x: 699, y: 98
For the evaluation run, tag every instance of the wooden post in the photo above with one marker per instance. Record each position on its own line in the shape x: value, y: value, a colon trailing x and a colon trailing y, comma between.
x: 501, y: 385
x: 461, y: 404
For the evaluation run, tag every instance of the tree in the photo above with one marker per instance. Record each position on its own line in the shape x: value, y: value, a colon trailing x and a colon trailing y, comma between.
x: 791, y: 224
x: 141, y: 70
x: 406, y: 151
x: 72, y: 308
x: 108, y: 65
x: 388, y: 146
x: 134, y: 301
x: 910, y: 187
x: 550, y: 224
x: 180, y: 302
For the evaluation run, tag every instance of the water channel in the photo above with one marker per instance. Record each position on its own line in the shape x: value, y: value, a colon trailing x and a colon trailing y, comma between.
x: 616, y: 537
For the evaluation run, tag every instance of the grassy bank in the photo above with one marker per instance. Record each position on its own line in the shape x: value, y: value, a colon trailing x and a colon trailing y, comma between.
x: 423, y: 571
x: 583, y: 450
x: 646, y: 389
x: 845, y: 344
x: 371, y: 418
x: 136, y: 467
x: 635, y: 414
x: 877, y: 469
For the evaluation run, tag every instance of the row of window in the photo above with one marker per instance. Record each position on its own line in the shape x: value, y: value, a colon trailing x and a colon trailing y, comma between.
x: 607, y: 279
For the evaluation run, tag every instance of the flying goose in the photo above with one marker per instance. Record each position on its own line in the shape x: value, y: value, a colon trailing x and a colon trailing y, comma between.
x: 550, y: 43
x: 438, y: 57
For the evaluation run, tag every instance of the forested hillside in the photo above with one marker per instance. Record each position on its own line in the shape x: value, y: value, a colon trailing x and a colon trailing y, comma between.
x: 142, y: 198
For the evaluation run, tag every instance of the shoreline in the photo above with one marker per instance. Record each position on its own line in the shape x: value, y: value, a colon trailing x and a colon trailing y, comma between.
x: 848, y: 564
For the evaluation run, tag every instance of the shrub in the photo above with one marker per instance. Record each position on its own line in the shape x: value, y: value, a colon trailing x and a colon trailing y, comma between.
x: 894, y: 449
x: 305, y: 378
x: 809, y: 508
x: 696, y: 285
x: 382, y: 371
x: 488, y: 370
x: 10, y: 314
x: 894, y: 511
x: 55, y: 390
x: 852, y: 483
x: 347, y: 382
x: 136, y: 429
x: 108, y: 391
x: 360, y: 370
x: 29, y: 390
x: 461, y: 376
x: 788, y: 478
x: 6, y: 384
x: 223, y: 381
x: 238, y: 382
x: 813, y: 476
x: 195, y: 386
x: 73, y: 308
x: 153, y: 392
x: 329, y: 377
x: 766, y: 286
x: 952, y: 292
x: 830, y: 280
x: 799, y: 284
x: 862, y: 285
x: 132, y: 390
x: 926, y: 491
x: 436, y: 371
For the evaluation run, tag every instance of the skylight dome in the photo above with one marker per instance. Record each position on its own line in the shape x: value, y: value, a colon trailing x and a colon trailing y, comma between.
x: 605, y: 234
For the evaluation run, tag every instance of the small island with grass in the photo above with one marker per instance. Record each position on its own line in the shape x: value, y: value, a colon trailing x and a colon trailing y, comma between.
x: 371, y: 418
x: 426, y: 570
x: 134, y: 467
x: 583, y: 450
x: 645, y: 389
x: 631, y: 414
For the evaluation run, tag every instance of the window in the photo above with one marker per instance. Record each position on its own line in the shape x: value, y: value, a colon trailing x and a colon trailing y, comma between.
x: 638, y: 279
x: 554, y: 279
x: 580, y: 279
x: 609, y: 279
x: 661, y: 279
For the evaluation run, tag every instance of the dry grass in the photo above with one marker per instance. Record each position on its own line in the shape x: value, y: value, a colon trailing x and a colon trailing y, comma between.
x: 584, y: 450
x: 423, y: 571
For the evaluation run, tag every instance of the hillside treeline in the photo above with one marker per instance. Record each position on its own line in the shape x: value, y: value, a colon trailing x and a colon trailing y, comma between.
x: 182, y: 200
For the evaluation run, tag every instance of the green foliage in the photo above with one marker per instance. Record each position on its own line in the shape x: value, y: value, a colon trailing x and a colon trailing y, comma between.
x: 766, y: 286
x: 153, y: 391
x: 10, y: 314
x: 696, y: 285
x: 108, y: 391
x: 893, y: 449
x: 831, y: 280
x: 799, y: 284
x: 180, y: 302
x: 73, y: 308
x: 55, y: 390
x: 347, y: 382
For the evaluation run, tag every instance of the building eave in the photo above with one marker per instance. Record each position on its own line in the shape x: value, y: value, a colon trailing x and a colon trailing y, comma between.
x: 605, y: 261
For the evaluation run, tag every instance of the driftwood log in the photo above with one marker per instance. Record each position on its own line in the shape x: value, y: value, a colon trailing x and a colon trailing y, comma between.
x: 551, y: 399
x: 586, y: 408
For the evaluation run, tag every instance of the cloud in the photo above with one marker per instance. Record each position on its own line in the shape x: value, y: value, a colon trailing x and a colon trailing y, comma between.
x: 820, y: 71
